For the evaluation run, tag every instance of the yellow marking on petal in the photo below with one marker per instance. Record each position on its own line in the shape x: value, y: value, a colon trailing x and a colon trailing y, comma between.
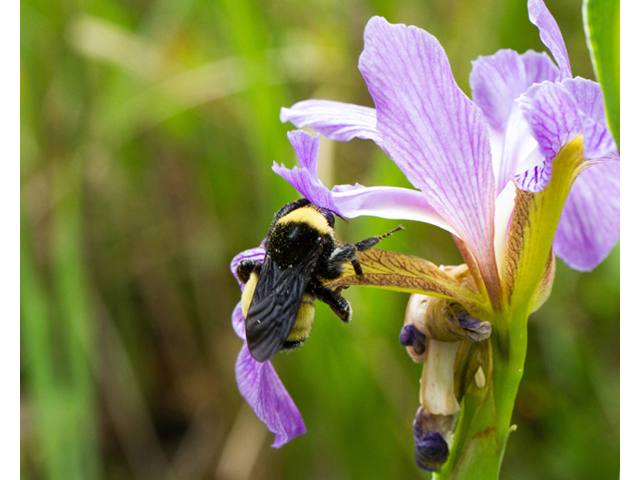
x: 533, y: 227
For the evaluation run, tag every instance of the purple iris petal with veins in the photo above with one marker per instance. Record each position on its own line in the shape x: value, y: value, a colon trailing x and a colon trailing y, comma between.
x: 258, y: 382
x: 462, y: 154
x: 353, y: 200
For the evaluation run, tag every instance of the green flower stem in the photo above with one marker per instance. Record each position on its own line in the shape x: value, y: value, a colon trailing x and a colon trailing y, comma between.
x: 484, y: 424
x: 485, y: 420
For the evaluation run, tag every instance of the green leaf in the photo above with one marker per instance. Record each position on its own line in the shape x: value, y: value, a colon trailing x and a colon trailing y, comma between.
x: 602, y: 28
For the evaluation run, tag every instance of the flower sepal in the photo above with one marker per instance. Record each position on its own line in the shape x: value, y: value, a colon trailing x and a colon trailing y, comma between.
x: 529, y: 266
x: 407, y: 273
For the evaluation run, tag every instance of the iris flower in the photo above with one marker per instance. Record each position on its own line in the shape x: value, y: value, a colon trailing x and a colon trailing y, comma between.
x: 462, y: 154
x: 524, y: 167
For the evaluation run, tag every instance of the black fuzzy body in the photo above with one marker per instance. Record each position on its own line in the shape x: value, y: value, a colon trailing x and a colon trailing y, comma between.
x: 301, y: 257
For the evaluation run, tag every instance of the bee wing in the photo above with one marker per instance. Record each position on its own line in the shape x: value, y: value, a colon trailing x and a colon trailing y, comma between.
x: 275, y: 304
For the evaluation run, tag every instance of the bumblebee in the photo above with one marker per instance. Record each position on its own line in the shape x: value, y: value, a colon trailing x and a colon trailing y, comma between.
x: 302, y: 256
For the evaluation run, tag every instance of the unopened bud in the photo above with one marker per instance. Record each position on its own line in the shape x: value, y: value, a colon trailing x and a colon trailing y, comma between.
x: 431, y: 434
x: 410, y: 336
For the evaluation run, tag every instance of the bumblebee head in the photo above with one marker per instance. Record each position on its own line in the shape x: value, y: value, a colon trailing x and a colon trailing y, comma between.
x: 305, y: 211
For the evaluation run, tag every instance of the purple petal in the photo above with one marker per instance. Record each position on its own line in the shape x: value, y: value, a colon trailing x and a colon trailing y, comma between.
x: 598, y: 141
x: 590, y: 222
x: 550, y: 35
x: 475, y: 329
x: 496, y: 82
x: 520, y: 150
x: 305, y: 179
x: 387, y: 202
x: 410, y: 336
x: 237, y: 321
x: 552, y: 113
x: 557, y: 113
x: 256, y: 254
x: 433, y: 132
x: 261, y: 387
x: 538, y: 67
x: 431, y: 451
x: 335, y: 120
x: 354, y: 200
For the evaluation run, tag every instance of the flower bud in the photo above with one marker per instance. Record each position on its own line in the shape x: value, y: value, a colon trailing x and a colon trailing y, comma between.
x: 410, y: 336
x: 447, y: 321
x: 415, y: 316
x: 443, y: 335
x: 431, y: 436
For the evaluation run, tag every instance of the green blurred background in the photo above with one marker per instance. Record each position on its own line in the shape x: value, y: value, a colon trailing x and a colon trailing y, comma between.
x: 148, y: 129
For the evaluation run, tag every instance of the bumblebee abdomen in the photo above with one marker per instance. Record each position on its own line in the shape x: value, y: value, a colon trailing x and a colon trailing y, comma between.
x: 247, y: 293
x: 302, y: 328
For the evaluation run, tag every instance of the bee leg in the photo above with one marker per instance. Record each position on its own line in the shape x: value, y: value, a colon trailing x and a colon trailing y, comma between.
x: 343, y: 254
x: 340, y: 305
x: 246, y: 267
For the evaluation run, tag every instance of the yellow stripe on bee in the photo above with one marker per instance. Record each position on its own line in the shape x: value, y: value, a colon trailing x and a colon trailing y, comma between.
x: 247, y: 293
x: 304, y: 320
x: 310, y: 216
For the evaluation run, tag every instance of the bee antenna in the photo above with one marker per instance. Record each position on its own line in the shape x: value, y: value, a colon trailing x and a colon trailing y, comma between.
x: 399, y: 227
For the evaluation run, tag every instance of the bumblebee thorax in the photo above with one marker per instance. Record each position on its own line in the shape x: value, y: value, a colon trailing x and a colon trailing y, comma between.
x: 296, y: 234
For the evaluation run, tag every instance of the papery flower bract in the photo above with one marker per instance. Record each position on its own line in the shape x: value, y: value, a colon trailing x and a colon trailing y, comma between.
x: 258, y: 382
x: 463, y: 154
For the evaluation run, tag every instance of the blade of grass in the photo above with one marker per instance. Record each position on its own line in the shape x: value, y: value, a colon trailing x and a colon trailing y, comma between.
x: 35, y: 332
x: 62, y: 397
x: 75, y: 325
x: 602, y: 28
